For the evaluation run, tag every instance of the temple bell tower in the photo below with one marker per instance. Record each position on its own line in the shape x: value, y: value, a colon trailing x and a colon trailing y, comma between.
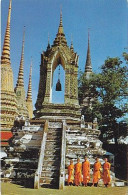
x: 58, y: 53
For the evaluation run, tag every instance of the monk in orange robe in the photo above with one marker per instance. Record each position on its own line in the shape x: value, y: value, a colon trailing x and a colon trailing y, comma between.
x: 106, y: 172
x: 86, y: 171
x: 71, y: 173
x: 96, y: 172
x: 78, y: 173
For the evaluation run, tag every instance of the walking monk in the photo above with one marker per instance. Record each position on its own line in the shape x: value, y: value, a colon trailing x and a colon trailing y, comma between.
x: 106, y: 172
x: 86, y: 171
x: 96, y: 172
x: 71, y: 173
x: 78, y: 175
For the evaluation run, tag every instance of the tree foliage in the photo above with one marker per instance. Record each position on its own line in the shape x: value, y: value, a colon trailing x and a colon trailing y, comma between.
x: 107, y: 92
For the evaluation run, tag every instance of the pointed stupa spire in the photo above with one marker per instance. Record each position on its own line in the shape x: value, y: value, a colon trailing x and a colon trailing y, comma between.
x: 5, y: 58
x: 60, y: 37
x: 71, y: 47
x: 60, y: 29
x: 29, y: 92
x: 88, y: 65
x: 20, y: 80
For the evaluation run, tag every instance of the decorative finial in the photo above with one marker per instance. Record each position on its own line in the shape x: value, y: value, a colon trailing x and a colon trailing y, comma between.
x: 61, y: 16
x: 60, y: 37
x: 5, y: 58
x: 88, y: 33
x: 48, y: 47
x: 60, y: 30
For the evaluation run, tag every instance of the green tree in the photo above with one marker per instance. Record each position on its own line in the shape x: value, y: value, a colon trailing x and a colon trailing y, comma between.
x: 109, y: 90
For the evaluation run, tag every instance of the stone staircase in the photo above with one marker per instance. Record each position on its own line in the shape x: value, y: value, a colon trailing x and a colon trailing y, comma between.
x: 52, y: 158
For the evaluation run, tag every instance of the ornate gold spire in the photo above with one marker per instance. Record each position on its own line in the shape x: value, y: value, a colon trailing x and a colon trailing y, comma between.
x: 5, y: 58
x: 88, y: 65
x: 60, y: 37
x: 60, y: 29
x: 20, y: 80
x: 8, y: 97
x: 29, y: 93
x: 19, y: 89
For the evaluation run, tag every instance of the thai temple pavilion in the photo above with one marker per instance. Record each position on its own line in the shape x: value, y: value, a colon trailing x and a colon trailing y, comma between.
x: 40, y: 148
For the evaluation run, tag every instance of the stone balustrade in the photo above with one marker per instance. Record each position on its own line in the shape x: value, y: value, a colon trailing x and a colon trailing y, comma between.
x: 41, y: 157
x: 62, y: 166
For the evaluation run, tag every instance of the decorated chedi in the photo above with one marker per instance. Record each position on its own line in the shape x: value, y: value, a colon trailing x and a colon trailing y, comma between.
x: 88, y: 64
x: 87, y: 101
x: 19, y: 89
x: 29, y: 95
x: 8, y: 97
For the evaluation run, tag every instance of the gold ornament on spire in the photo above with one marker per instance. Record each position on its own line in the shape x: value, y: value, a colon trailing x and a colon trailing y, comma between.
x: 61, y: 30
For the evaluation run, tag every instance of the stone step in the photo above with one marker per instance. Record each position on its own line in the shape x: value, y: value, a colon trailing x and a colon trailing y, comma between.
x: 54, y: 130
x: 49, y: 151
x: 50, y: 129
x: 53, y: 137
x: 51, y: 163
x: 52, y: 152
x: 52, y: 143
x: 49, y: 180
x: 50, y: 168
x: 52, y: 147
x: 49, y: 157
x: 58, y: 141
x: 52, y: 174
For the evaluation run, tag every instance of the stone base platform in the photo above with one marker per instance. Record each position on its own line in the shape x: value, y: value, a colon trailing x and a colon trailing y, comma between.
x: 58, y: 111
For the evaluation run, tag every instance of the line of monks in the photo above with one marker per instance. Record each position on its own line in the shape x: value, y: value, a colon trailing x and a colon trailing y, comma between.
x: 80, y: 172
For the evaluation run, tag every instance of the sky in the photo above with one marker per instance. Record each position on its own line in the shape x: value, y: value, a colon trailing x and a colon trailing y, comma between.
x: 107, y: 20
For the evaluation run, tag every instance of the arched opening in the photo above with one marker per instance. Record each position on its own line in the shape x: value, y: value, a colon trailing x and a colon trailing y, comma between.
x: 58, y: 96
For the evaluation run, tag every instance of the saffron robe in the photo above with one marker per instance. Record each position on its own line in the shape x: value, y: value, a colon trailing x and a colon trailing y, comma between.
x: 78, y: 173
x: 96, y: 172
x: 70, y: 173
x: 86, y: 172
x: 106, y: 172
